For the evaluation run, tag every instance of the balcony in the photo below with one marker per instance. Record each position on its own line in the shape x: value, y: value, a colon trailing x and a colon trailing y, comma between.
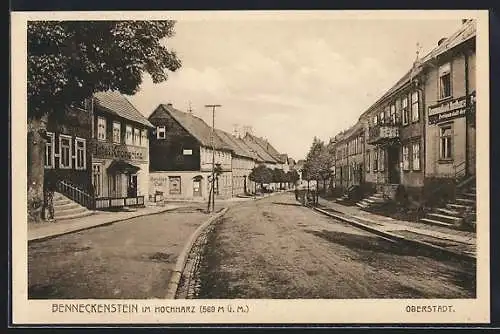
x: 382, y: 133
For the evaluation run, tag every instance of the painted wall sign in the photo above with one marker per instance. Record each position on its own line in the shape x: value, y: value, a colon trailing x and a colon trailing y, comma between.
x: 451, y: 109
x: 112, y: 151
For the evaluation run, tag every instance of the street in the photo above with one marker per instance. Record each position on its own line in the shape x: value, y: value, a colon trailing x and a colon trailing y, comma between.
x: 274, y: 248
x: 131, y: 259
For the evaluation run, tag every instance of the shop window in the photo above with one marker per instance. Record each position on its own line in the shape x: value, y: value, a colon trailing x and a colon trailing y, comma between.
x: 137, y: 137
x: 174, y: 185
x: 445, y: 81
x: 161, y: 132
x: 49, y: 150
x: 97, y: 179
x: 101, y: 128
x: 415, y: 149
x: 414, y: 107
x: 406, y: 157
x: 445, y: 142
x: 144, y: 140
x: 65, y: 157
x: 116, y: 132
x: 81, y: 154
x: 128, y: 135
x: 404, y: 110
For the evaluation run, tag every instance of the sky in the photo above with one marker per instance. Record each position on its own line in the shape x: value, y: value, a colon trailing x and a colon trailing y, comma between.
x: 289, y: 80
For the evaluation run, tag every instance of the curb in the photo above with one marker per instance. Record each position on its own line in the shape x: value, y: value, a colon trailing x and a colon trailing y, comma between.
x: 55, y: 235
x: 396, y: 237
x: 173, y: 283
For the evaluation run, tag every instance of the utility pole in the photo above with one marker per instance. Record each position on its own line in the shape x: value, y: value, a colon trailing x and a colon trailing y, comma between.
x: 213, y: 106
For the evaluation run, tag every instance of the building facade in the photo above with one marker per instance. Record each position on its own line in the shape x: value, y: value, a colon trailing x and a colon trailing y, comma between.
x: 100, y: 147
x: 181, y: 157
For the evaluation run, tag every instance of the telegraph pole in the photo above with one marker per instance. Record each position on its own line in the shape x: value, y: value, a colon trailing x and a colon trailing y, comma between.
x: 213, y: 106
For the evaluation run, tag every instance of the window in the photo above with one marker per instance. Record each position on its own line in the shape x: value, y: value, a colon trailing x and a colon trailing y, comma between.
x: 415, y: 149
x: 101, y: 128
x: 393, y: 114
x: 414, y: 107
x: 161, y: 132
x: 381, y: 117
x: 49, y: 151
x: 116, y: 132
x: 381, y: 160
x: 97, y: 179
x: 81, y: 153
x: 387, y: 114
x: 406, y: 158
x: 375, y: 120
x: 144, y: 139
x: 368, y: 161
x: 404, y: 110
x: 128, y: 135
x: 444, y: 81
x: 445, y: 142
x: 375, y: 160
x: 65, y: 158
x: 137, y: 137
x: 174, y: 185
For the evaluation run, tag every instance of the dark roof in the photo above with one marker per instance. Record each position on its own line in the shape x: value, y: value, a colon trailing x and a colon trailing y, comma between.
x: 232, y: 142
x: 263, y: 155
x: 248, y: 149
x: 117, y: 104
x: 268, y: 148
x: 194, y: 125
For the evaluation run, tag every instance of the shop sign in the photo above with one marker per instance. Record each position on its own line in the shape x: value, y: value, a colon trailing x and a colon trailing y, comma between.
x: 450, y: 109
x: 113, y: 151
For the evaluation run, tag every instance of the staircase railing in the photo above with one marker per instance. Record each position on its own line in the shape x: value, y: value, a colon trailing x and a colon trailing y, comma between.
x: 74, y: 193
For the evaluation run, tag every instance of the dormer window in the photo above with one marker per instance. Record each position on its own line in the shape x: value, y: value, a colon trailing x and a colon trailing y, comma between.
x: 161, y: 132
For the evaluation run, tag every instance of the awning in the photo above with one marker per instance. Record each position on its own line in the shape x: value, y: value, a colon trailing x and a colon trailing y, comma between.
x: 120, y: 166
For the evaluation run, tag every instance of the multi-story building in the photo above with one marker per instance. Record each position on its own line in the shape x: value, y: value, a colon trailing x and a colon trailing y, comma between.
x: 264, y: 157
x: 182, y: 156
x: 419, y: 137
x: 99, y: 150
x: 242, y: 163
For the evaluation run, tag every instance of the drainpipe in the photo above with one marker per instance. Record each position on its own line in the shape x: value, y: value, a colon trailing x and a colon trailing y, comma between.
x: 467, y: 106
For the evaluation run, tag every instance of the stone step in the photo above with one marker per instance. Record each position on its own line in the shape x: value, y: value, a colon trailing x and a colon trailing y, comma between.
x: 68, y: 204
x: 74, y: 215
x: 454, y: 206
x: 361, y: 205
x: 466, y: 201
x: 471, y: 195
x: 444, y: 218
x: 61, y: 201
x: 75, y: 210
x: 435, y: 222
x: 449, y: 212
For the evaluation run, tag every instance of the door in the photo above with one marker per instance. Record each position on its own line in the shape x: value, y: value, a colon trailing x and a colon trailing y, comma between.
x: 197, y: 187
x: 393, y: 164
x: 132, y: 185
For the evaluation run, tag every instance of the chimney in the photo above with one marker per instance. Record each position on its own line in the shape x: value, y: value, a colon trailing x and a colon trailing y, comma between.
x: 464, y: 21
x: 441, y: 41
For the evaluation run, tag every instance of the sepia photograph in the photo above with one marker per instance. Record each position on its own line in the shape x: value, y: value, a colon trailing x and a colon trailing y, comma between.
x: 228, y: 166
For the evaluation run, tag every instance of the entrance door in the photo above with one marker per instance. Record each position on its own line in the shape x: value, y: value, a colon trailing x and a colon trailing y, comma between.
x: 393, y: 164
x: 197, y: 187
x: 132, y: 185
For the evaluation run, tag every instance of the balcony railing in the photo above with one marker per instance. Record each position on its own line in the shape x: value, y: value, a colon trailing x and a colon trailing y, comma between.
x: 382, y: 132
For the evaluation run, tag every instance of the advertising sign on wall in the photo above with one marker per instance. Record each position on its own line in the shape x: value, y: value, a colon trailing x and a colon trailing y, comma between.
x: 450, y: 109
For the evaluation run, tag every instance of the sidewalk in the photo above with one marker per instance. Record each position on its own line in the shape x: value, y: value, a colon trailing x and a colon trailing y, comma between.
x: 454, y: 240
x: 47, y: 230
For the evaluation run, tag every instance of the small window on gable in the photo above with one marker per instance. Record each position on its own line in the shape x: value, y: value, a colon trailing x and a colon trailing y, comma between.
x: 161, y: 132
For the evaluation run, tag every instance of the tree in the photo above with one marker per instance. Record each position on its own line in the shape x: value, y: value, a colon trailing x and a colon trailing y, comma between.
x: 261, y: 174
x: 68, y: 61
x: 278, y: 176
x: 292, y: 176
x: 318, y: 162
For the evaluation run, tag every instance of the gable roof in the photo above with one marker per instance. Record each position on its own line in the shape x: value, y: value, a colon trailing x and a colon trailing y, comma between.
x: 267, y: 147
x: 248, y: 149
x: 232, y: 142
x: 194, y: 125
x: 117, y: 104
x: 263, y: 155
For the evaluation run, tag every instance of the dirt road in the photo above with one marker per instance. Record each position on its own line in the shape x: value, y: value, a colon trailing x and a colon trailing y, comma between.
x: 274, y: 248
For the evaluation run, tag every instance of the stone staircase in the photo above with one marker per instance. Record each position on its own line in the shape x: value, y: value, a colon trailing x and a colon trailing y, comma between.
x: 65, y: 208
x: 372, y: 201
x: 453, y: 213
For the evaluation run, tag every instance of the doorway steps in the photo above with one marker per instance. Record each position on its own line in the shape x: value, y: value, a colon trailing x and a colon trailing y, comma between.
x: 454, y: 213
x: 65, y: 208
x: 372, y: 201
